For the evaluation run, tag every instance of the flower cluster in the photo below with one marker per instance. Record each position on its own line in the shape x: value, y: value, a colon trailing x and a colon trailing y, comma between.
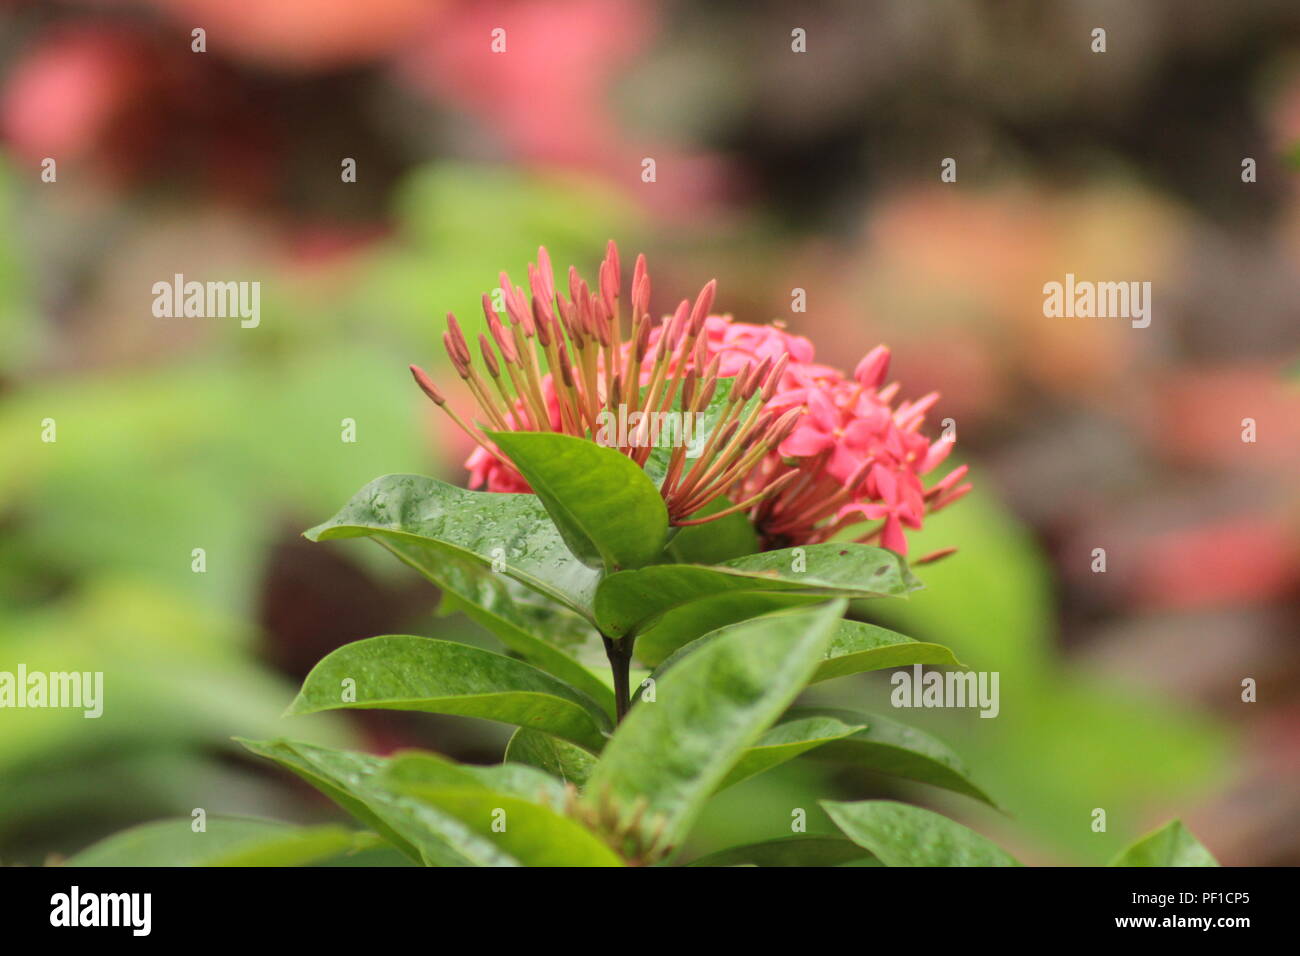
x: 806, y: 451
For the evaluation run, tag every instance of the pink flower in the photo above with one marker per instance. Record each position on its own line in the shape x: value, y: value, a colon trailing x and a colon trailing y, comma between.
x: 823, y: 455
x: 860, y: 459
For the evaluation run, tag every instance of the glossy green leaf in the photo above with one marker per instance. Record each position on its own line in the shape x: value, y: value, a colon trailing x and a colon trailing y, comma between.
x: 672, y: 753
x: 531, y: 833
x: 683, y: 626
x: 534, y: 630
x: 1171, y: 845
x: 225, y: 841
x: 901, y: 835
x: 521, y: 799
x: 559, y: 758
x: 857, y: 647
x: 421, y: 520
x: 804, y: 850
x: 355, y: 782
x: 339, y: 774
x: 889, y: 747
x: 422, y: 768
x: 403, y: 672
x: 606, y: 508
x: 787, y: 740
x: 630, y: 601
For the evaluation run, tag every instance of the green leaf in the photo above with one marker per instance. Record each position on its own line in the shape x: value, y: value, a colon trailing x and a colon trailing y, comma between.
x: 805, y: 850
x: 422, y: 520
x: 902, y: 835
x: 534, y: 835
x: 382, y: 855
x: 226, y: 841
x: 788, y: 740
x: 403, y: 672
x: 629, y: 601
x: 355, y: 782
x: 1171, y: 845
x: 557, y: 757
x: 426, y: 768
x: 685, y: 625
x: 523, y: 799
x: 672, y: 753
x: 336, y: 773
x: 857, y: 647
x: 420, y: 767
x: 485, y: 598
x: 606, y: 508
x: 889, y: 747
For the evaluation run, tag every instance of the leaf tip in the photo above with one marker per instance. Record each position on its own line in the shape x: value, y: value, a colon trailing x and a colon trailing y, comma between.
x: 298, y: 706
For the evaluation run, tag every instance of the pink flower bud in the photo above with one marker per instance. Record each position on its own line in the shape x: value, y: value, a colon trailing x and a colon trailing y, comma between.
x: 873, y: 368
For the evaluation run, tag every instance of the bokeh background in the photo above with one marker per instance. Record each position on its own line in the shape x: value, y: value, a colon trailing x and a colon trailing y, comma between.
x: 775, y: 171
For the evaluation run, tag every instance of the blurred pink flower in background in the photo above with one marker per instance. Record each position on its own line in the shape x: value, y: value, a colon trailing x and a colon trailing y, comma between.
x: 1201, y: 415
x: 70, y: 90
x: 303, y: 34
x: 547, y: 95
x: 1243, y: 559
x: 547, y: 100
x: 127, y: 105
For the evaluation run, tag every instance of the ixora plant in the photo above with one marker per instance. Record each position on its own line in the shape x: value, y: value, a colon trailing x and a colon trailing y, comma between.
x: 676, y: 515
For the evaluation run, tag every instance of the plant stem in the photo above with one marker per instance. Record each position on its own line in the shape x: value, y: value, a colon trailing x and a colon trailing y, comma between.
x: 619, y: 652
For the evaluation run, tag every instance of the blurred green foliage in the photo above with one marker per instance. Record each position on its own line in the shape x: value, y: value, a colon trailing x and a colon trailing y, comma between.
x: 227, y: 449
